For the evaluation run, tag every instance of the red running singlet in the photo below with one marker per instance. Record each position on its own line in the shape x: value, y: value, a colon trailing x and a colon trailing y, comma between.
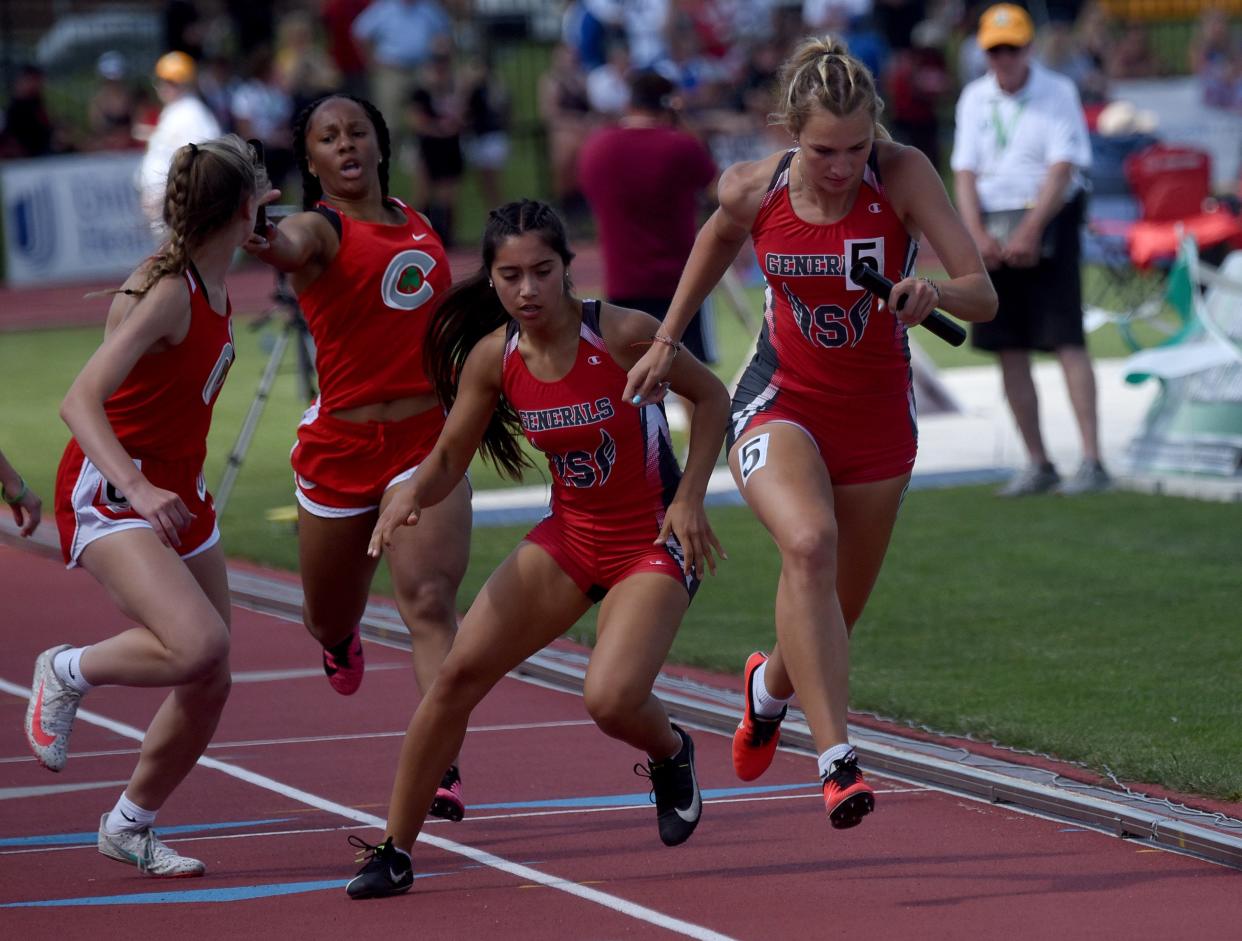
x: 162, y: 409
x: 368, y: 311
x: 613, y: 468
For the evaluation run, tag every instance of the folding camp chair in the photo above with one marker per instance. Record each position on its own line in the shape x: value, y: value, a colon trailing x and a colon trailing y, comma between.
x: 1171, y: 186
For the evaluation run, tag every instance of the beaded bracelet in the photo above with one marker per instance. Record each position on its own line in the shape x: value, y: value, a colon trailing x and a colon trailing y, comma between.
x: 21, y: 494
x: 667, y: 341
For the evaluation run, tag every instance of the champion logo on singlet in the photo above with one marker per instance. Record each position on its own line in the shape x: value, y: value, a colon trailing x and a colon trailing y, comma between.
x: 405, y: 285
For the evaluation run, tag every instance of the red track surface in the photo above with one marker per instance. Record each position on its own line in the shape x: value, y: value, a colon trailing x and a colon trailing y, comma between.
x: 926, y: 865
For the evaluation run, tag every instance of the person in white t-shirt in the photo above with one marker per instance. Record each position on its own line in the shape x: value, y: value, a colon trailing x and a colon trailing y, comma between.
x: 1019, y: 153
x: 183, y: 120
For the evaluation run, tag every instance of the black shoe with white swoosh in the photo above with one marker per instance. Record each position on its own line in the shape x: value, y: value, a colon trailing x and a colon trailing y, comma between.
x: 675, y: 790
x: 387, y: 871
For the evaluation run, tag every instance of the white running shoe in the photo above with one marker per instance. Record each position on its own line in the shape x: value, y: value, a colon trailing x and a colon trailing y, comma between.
x: 50, y: 712
x: 145, y: 850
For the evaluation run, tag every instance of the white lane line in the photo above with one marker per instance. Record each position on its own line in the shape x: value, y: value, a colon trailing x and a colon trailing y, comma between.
x: 15, y: 793
x: 306, y: 739
x: 617, y: 904
x: 311, y: 739
x: 267, y: 676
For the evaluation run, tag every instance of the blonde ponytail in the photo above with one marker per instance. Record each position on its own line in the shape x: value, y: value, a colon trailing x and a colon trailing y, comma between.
x: 822, y: 72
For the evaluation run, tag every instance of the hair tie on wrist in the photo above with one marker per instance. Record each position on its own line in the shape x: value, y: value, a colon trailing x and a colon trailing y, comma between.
x: 14, y: 499
x: 934, y: 286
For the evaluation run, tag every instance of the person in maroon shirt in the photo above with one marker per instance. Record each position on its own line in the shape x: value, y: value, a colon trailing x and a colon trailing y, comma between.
x: 643, y: 179
x: 338, y: 17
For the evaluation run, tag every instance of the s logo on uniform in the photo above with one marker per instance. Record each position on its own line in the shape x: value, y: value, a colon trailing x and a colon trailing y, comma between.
x: 405, y: 285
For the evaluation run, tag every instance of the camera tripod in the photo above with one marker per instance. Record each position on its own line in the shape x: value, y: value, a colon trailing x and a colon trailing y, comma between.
x: 294, y: 329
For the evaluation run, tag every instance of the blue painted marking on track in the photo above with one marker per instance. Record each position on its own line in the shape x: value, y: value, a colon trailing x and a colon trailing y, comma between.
x: 240, y: 893
x: 627, y: 800
x: 72, y: 839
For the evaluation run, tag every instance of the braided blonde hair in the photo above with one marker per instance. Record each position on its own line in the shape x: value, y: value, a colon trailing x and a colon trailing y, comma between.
x: 822, y: 72
x: 207, y: 184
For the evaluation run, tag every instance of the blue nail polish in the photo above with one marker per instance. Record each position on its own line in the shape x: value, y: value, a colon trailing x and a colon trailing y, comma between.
x: 636, y: 400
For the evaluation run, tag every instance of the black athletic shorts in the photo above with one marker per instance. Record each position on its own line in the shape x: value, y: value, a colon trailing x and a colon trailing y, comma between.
x: 1040, y: 307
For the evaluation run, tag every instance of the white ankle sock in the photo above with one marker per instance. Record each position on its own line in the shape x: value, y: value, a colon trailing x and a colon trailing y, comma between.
x: 832, y: 756
x: 127, y: 815
x: 767, y: 706
x: 67, y: 665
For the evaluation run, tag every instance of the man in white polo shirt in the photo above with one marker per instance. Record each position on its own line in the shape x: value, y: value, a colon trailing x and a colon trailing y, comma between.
x: 184, y: 119
x: 1020, y: 149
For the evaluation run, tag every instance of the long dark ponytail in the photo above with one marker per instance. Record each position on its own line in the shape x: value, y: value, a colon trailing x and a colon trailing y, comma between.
x: 312, y: 189
x: 471, y: 310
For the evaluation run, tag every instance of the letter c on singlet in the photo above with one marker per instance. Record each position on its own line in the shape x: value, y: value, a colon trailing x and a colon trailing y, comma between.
x: 405, y: 285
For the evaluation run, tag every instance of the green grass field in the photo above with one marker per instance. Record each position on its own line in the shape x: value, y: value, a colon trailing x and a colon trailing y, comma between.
x: 1102, y: 630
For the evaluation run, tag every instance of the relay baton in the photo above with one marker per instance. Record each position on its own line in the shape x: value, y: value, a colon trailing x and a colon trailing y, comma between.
x: 866, y: 276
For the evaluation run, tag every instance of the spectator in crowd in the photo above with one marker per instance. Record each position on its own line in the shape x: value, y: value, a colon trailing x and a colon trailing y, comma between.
x: 854, y: 23
x: 644, y: 180
x: 1019, y: 156
x: 303, y: 69
x: 585, y: 33
x: 111, y: 112
x: 1094, y: 35
x: 397, y: 37
x: 263, y: 110
x: 896, y: 19
x: 338, y: 20
x: 608, y: 86
x: 217, y: 81
x: 183, y: 120
x: 645, y: 24
x: 436, y: 115
x: 744, y: 132
x: 253, y: 23
x: 917, y: 80
x: 28, y: 128
x: 1131, y: 55
x: 971, y: 62
x: 486, y: 129
x: 184, y: 28
x: 1061, y: 50
x: 1216, y: 60
x: 565, y: 111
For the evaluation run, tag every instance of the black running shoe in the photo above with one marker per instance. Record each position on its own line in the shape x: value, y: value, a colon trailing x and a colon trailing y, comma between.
x: 449, y: 803
x: 675, y: 790
x: 387, y: 871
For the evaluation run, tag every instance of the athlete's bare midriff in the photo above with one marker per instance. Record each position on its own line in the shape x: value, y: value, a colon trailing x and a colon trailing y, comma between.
x: 394, y: 410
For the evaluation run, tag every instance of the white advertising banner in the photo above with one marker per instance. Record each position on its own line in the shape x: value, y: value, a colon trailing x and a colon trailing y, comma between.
x: 72, y: 218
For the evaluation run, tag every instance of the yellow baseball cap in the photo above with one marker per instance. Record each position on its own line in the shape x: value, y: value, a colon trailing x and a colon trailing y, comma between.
x: 1005, y: 24
x: 176, y: 67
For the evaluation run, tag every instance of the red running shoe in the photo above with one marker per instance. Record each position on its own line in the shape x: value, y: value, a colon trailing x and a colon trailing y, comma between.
x: 847, y: 797
x: 344, y: 664
x: 756, y: 738
x: 448, y: 803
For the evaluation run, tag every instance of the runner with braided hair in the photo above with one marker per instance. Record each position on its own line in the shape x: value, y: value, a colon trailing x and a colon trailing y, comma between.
x: 368, y: 273
x: 131, y: 504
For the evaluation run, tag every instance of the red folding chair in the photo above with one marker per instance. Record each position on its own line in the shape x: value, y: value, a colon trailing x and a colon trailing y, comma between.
x: 1173, y: 186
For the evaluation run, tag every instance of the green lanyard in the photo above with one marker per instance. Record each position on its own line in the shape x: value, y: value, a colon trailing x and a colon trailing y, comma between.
x: 1004, y: 132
